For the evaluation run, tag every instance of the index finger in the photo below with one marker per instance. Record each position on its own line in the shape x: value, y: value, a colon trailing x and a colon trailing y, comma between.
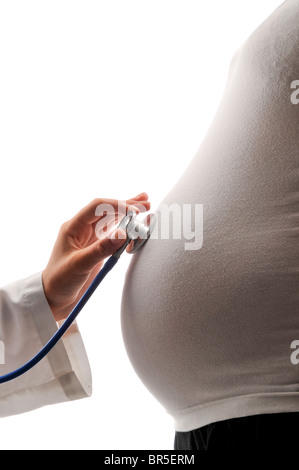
x: 96, y: 208
x: 111, y: 207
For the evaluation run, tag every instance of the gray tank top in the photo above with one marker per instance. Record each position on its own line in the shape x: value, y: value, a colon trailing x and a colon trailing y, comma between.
x: 210, y: 331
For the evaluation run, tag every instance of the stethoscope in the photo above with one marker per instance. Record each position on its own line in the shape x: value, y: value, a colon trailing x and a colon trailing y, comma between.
x: 138, y: 232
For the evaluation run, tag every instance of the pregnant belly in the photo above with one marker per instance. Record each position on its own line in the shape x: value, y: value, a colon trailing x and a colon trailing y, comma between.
x: 213, y: 323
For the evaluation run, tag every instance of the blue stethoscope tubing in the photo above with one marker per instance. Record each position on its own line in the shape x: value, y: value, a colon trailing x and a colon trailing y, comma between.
x: 110, y: 263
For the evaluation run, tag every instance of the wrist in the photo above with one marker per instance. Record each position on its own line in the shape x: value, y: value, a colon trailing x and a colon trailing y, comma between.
x: 59, y: 312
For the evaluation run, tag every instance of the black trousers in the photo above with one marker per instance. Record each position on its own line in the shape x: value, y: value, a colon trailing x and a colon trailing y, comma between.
x: 276, y: 431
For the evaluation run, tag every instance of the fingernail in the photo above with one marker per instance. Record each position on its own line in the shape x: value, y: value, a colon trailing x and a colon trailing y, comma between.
x: 141, y: 194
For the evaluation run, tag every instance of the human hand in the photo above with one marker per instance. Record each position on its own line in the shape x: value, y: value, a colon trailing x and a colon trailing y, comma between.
x: 78, y: 253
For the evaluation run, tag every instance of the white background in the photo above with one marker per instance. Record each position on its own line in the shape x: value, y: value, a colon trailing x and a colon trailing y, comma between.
x: 102, y: 99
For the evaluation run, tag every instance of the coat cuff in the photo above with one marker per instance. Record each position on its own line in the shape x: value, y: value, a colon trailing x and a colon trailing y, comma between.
x: 26, y: 325
x: 68, y: 359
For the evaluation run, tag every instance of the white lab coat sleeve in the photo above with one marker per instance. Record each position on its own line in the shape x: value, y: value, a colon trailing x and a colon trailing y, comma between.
x: 26, y: 324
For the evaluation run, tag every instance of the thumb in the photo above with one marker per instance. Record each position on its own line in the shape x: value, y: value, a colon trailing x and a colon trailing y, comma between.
x: 89, y: 257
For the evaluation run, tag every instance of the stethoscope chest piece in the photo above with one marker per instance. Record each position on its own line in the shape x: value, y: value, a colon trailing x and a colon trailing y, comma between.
x: 138, y: 232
